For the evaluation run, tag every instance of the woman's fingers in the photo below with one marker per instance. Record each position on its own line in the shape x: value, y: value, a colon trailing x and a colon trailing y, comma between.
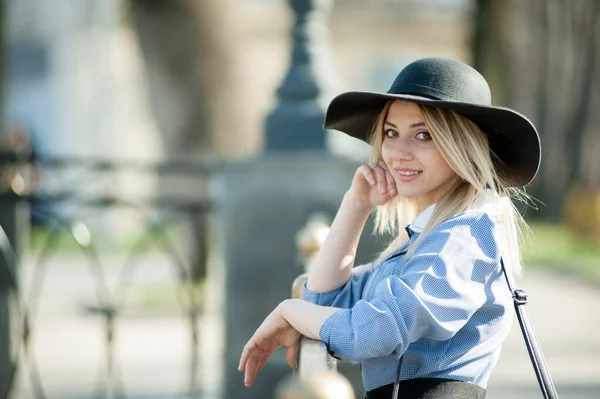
x: 255, y: 363
x: 392, y: 189
x: 250, y: 349
x: 272, y: 333
x: 381, y: 179
x: 389, y: 179
x: 369, y: 175
x: 249, y: 373
x: 378, y: 175
x: 256, y: 359
x: 252, y: 360
x: 244, y: 358
x: 291, y: 353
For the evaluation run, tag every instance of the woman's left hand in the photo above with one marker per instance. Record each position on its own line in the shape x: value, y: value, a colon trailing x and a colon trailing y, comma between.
x: 274, y: 331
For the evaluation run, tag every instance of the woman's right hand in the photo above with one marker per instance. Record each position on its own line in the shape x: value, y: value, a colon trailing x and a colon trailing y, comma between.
x: 372, y: 185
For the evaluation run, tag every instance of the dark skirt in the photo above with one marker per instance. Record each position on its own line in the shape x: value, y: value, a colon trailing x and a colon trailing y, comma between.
x: 429, y: 388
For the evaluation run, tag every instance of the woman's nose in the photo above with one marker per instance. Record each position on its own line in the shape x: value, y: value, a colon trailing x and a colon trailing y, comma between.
x: 402, y: 148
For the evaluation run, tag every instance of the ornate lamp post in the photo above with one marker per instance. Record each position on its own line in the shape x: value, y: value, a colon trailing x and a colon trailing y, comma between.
x: 296, y: 122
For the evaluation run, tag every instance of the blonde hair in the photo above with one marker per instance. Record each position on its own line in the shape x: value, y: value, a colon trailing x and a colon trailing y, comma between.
x: 465, y: 148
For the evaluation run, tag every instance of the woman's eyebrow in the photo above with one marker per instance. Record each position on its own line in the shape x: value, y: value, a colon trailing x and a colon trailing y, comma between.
x: 418, y: 124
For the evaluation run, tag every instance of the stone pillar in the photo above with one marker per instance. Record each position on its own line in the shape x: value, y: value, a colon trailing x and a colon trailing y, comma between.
x: 259, y: 207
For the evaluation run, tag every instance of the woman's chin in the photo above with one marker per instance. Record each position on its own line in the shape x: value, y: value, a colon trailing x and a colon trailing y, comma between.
x: 408, y: 192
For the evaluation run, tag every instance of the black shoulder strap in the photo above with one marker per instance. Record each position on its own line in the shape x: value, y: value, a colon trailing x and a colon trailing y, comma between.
x: 533, y: 347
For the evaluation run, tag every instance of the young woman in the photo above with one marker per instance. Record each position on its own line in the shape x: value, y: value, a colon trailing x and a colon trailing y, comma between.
x: 433, y: 310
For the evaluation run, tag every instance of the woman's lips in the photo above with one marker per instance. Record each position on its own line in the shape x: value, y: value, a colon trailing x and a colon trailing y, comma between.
x: 406, y: 175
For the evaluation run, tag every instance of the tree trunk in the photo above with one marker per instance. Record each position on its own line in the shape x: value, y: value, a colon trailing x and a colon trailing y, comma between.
x: 552, y: 63
x: 585, y: 25
x: 186, y: 49
x: 491, y: 47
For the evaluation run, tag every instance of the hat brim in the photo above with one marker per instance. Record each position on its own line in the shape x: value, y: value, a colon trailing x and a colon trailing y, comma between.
x: 512, y: 137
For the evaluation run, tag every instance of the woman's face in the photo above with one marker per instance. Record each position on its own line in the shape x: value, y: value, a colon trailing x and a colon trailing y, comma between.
x: 412, y: 157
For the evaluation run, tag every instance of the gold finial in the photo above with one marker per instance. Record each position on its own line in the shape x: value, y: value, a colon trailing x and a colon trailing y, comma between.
x: 298, y: 284
x: 320, y: 385
x: 310, y: 238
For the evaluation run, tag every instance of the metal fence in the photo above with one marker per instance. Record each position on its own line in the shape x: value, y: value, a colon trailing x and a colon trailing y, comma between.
x: 25, y: 196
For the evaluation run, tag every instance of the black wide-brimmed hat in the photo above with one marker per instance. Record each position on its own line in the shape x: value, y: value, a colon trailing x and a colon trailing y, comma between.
x: 453, y: 85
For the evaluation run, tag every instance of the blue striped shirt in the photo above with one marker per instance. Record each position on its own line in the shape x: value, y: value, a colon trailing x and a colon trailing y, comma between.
x: 446, y: 309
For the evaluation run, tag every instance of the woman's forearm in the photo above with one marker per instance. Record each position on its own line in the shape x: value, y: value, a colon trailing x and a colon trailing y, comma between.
x: 334, y: 262
x: 306, y: 318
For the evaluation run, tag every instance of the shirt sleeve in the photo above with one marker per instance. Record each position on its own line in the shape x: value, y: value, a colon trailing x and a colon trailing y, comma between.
x: 347, y: 295
x: 438, y: 289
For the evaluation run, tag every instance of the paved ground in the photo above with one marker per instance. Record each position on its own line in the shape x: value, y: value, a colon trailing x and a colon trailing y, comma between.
x: 566, y: 318
x: 152, y: 349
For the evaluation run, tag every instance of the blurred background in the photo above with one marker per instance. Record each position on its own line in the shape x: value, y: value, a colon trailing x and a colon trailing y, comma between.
x: 138, y: 135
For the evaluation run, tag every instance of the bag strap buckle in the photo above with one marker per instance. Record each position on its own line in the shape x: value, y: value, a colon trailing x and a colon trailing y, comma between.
x: 520, y: 296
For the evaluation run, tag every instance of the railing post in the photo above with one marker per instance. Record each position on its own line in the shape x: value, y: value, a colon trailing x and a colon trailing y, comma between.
x: 15, y: 223
x: 7, y: 284
x: 312, y: 354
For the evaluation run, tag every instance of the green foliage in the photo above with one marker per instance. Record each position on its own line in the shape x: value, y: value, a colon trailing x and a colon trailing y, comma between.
x: 556, y: 247
x: 63, y: 240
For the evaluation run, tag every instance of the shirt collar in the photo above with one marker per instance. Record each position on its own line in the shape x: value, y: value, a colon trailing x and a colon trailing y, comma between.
x: 486, y: 202
x: 421, y: 220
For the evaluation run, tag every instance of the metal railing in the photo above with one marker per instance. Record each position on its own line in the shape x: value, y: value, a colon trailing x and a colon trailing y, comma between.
x: 23, y: 299
x: 313, y: 356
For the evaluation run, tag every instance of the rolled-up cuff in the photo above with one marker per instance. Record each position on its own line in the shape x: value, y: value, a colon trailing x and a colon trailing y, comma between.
x: 327, y: 327
x: 320, y: 298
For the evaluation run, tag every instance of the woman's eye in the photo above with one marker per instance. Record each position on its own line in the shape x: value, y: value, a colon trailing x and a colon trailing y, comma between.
x: 390, y: 133
x: 425, y: 136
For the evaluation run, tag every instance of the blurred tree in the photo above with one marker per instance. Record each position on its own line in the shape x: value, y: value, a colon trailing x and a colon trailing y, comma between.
x: 569, y: 40
x: 186, y: 49
x: 541, y: 56
x: 490, y: 47
x: 185, y: 56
